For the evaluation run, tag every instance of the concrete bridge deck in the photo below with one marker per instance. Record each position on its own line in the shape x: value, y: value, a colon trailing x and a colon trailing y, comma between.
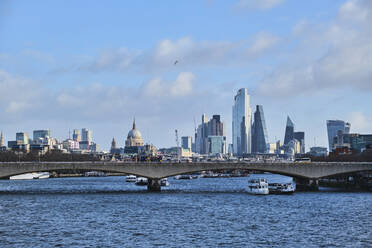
x: 157, y: 170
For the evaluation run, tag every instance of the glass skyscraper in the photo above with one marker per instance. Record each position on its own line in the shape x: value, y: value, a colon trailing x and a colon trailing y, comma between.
x: 241, y: 123
x: 76, y: 135
x: 289, y: 131
x: 333, y: 126
x: 86, y: 135
x: 186, y: 142
x: 300, y: 136
x: 259, y: 132
x: 21, y: 138
x: 41, y: 134
x: 213, y: 127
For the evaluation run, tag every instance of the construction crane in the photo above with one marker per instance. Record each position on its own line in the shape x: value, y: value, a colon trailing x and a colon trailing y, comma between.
x: 178, y: 146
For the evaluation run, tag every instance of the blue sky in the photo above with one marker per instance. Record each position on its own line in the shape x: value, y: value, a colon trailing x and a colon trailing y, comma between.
x: 94, y: 64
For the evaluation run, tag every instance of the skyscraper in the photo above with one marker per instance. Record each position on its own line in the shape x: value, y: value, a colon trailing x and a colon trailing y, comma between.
x: 201, y: 140
x: 208, y: 128
x: 259, y: 132
x: 22, y: 138
x: 76, y: 135
x: 216, y: 144
x: 215, y: 126
x: 289, y: 131
x: 41, y: 134
x: 241, y: 123
x: 300, y: 136
x: 333, y: 126
x: 86, y: 135
x: 186, y: 142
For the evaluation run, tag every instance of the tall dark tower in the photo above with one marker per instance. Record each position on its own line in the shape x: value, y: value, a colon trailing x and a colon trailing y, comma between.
x: 259, y: 132
x: 289, y: 131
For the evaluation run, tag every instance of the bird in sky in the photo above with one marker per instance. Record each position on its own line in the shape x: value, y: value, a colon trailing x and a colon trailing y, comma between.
x: 175, y: 62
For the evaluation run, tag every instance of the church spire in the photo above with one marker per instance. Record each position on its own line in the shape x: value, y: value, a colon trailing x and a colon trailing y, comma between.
x: 134, y: 123
x: 113, y: 143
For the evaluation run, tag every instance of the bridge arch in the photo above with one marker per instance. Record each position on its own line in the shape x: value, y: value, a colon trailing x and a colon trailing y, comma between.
x: 294, y: 175
x: 25, y: 167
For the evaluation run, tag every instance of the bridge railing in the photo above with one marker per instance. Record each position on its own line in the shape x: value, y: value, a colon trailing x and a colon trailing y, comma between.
x: 191, y: 163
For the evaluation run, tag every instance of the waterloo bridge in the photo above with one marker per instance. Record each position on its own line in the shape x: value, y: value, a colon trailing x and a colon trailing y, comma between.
x: 304, y: 173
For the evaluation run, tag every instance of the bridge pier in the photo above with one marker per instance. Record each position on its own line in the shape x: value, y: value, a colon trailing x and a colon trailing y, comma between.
x: 154, y: 185
x: 306, y: 184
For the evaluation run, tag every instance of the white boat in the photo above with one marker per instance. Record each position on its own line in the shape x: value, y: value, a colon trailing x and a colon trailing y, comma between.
x: 33, y: 175
x: 131, y: 178
x: 94, y: 174
x: 141, y: 181
x: 258, y: 186
x: 183, y: 177
x: 43, y: 175
x: 164, y: 182
x: 282, y: 188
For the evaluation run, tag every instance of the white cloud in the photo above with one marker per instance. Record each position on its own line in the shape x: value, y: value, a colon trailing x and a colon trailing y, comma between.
x: 360, y: 122
x: 158, y: 87
x: 183, y: 84
x: 17, y: 94
x: 338, y: 56
x: 15, y: 107
x: 263, y: 42
x: 355, y: 10
x: 188, y: 53
x: 112, y: 59
x: 258, y: 4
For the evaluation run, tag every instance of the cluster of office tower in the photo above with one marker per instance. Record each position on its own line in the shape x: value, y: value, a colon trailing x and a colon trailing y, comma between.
x: 249, y: 132
x: 43, y: 141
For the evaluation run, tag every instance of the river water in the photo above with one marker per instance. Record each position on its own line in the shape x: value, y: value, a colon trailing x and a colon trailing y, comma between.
x: 209, y: 212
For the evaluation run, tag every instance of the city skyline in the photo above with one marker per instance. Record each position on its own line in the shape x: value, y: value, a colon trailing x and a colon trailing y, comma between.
x: 103, y: 73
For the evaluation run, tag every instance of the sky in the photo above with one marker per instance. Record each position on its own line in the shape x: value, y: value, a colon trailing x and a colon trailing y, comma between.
x: 67, y: 65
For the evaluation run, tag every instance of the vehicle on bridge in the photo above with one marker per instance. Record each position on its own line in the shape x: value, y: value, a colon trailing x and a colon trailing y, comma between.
x: 302, y: 160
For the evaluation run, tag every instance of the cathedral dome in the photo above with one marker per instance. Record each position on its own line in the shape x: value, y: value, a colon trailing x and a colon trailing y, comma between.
x: 134, y: 134
x: 134, y: 138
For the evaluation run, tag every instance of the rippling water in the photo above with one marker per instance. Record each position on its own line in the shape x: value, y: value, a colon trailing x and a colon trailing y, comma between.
x: 108, y: 212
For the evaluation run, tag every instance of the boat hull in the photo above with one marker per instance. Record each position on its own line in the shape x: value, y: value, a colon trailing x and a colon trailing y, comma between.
x: 141, y: 181
x: 258, y: 191
x: 29, y: 176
